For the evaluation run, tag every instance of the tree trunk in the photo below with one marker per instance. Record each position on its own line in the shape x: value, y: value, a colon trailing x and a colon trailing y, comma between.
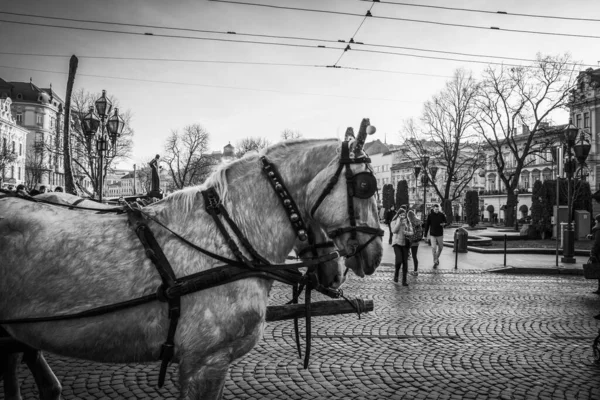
x: 509, y: 212
x: 69, y: 180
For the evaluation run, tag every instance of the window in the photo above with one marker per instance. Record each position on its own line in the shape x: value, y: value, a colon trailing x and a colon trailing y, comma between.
x: 20, y: 149
x: 19, y: 118
x: 12, y: 172
x: 4, y: 144
x: 586, y: 120
x: 578, y: 119
x: 14, y: 147
x: 19, y: 176
x: 39, y: 119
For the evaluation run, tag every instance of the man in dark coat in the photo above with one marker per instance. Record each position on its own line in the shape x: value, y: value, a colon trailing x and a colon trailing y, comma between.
x: 595, y: 250
x: 434, y: 225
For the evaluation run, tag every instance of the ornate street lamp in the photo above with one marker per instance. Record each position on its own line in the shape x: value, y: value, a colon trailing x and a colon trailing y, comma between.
x: 112, y: 125
x: 570, y: 134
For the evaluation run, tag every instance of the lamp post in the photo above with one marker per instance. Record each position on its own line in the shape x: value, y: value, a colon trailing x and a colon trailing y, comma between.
x: 570, y: 134
x: 517, y: 210
x: 110, y: 128
x: 425, y: 178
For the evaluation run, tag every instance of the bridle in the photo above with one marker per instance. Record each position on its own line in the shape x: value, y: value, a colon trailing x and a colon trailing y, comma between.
x: 362, y: 185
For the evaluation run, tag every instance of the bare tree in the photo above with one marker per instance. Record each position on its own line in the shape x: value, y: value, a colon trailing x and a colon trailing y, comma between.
x: 290, y: 134
x: 34, y: 165
x: 7, y: 158
x: 445, y: 134
x: 187, y: 156
x: 514, y: 97
x: 250, y: 144
x: 144, y: 175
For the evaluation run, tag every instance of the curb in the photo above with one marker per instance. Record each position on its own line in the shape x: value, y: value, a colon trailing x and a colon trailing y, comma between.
x: 536, y: 270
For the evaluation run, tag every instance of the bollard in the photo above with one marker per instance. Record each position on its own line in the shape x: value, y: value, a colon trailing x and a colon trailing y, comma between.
x: 505, y: 250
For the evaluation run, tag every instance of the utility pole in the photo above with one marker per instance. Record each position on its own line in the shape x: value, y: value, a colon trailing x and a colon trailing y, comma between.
x: 134, y: 174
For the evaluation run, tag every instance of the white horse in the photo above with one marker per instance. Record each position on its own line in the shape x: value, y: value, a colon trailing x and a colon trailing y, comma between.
x: 56, y: 262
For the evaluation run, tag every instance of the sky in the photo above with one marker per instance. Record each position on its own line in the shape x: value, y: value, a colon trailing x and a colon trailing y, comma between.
x: 257, y: 89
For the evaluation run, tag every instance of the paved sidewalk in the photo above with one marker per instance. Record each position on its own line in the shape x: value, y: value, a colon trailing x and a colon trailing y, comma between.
x: 515, y: 263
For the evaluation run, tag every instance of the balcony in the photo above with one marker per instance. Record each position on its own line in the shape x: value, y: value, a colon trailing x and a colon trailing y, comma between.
x: 495, y: 192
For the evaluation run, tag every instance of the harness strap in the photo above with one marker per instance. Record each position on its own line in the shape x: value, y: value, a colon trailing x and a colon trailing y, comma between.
x: 331, y: 256
x: 167, y: 275
x: 328, y: 188
x: 211, y: 203
x: 364, y: 229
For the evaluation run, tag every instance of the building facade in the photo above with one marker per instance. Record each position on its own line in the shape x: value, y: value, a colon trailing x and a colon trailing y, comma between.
x: 40, y: 112
x: 13, y: 142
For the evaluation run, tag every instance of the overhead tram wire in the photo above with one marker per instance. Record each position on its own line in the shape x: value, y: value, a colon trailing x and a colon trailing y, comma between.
x: 171, y: 28
x: 212, y: 86
x: 219, y: 62
x: 270, y: 37
x: 353, y: 36
x: 473, y: 10
x: 173, y: 36
x: 495, y: 28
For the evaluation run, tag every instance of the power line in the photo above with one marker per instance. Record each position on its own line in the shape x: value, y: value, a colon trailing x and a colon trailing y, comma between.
x: 345, y: 49
x: 172, y: 36
x: 267, y: 36
x: 163, y: 27
x: 411, y: 20
x: 353, y: 36
x: 485, y: 11
x: 221, y: 62
x: 212, y: 86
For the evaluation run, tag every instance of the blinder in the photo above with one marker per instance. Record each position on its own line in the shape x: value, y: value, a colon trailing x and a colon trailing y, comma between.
x: 364, y: 185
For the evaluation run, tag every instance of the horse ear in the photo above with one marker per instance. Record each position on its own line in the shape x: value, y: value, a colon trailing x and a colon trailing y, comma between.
x: 365, y: 129
x: 349, y: 134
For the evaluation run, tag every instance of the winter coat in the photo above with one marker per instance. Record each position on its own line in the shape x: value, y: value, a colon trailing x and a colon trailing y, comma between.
x: 417, y: 227
x: 433, y: 225
x: 595, y: 251
x: 400, y: 228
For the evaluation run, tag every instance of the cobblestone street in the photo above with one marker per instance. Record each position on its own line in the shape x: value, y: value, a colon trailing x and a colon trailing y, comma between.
x: 449, y: 335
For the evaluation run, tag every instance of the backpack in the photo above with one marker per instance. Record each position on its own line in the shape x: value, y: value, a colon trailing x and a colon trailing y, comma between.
x: 417, y: 233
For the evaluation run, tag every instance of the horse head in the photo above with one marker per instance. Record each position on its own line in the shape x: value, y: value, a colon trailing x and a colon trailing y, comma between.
x: 346, y: 207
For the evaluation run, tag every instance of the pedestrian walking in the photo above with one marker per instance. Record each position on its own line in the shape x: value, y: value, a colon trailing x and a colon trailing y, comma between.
x: 415, y: 238
x: 595, y: 250
x: 402, y: 229
x: 389, y: 215
x: 434, y: 226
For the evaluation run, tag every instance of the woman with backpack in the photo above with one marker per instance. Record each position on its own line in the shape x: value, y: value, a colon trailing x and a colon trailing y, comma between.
x: 402, y: 229
x: 415, y: 238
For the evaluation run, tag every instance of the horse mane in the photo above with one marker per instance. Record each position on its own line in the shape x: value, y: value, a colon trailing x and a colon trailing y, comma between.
x: 219, y: 178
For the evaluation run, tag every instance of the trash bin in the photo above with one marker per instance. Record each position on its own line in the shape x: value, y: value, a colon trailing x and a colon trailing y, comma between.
x: 461, y: 238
